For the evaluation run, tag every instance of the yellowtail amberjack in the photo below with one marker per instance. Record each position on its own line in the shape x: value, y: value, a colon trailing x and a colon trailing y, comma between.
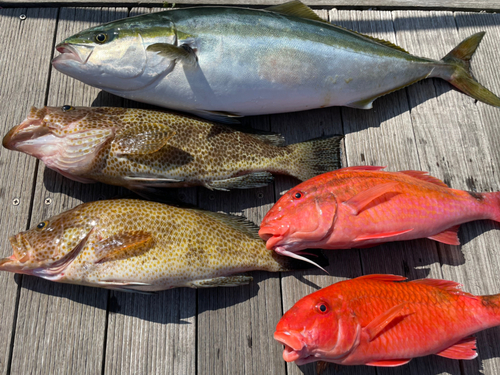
x: 225, y: 61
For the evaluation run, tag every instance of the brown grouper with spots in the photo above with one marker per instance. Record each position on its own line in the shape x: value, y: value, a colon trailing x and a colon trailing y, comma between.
x: 144, y: 149
x: 137, y: 245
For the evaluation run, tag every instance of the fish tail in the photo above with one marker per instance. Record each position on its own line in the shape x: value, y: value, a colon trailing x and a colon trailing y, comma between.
x: 460, y: 75
x: 314, y: 157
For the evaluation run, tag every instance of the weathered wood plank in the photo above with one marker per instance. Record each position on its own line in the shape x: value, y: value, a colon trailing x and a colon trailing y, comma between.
x: 235, y: 325
x: 61, y: 328
x: 490, y: 5
x: 26, y: 46
x: 153, y: 334
x: 453, y: 144
x: 297, y: 127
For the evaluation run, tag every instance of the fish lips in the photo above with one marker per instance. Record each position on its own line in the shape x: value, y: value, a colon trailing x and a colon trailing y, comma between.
x: 272, y: 235
x: 28, y: 129
x: 21, y: 254
x: 70, y: 54
x: 294, y: 346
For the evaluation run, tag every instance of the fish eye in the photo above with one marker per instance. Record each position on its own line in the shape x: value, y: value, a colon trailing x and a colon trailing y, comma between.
x: 42, y: 225
x: 298, y: 195
x: 101, y: 38
x: 322, y: 308
x: 66, y: 108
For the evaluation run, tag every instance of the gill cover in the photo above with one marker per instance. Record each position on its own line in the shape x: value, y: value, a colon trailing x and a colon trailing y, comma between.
x: 114, y: 56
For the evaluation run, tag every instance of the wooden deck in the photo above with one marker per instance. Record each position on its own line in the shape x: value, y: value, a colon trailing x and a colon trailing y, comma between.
x: 49, y: 328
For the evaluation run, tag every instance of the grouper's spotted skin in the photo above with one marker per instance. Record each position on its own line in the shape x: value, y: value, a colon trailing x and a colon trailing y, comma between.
x: 143, y: 246
x: 142, y: 148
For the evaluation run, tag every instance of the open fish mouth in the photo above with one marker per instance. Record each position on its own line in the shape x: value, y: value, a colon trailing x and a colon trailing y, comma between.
x: 272, y: 235
x: 293, y: 346
x: 67, y: 52
x: 29, y: 129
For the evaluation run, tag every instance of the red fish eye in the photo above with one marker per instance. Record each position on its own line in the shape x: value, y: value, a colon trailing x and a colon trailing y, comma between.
x: 298, y: 195
x: 322, y: 307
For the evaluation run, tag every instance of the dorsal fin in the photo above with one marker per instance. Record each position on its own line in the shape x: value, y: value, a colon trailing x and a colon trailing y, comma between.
x: 450, y: 286
x: 382, y: 277
x: 424, y: 176
x: 377, y: 40
x: 297, y: 9
x: 239, y: 223
x: 361, y: 168
x: 271, y: 139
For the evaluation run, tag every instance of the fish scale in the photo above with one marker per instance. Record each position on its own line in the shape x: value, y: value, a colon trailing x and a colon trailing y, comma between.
x: 363, y: 206
x: 224, y: 62
x: 143, y: 149
x: 128, y: 244
x: 395, y: 322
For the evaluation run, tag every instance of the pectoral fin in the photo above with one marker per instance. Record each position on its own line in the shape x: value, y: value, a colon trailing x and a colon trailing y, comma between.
x: 182, y: 53
x: 123, y: 245
x: 363, y: 199
x: 221, y: 281
x: 449, y: 236
x: 381, y: 322
x: 142, y: 139
x: 464, y: 349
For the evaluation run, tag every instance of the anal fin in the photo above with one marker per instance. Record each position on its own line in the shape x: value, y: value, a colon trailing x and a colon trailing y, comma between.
x: 378, y: 236
x: 449, y: 236
x: 464, y: 349
x: 389, y: 362
x: 247, y: 181
x: 221, y: 281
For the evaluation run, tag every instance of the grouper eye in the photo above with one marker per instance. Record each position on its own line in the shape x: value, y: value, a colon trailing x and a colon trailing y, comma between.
x: 66, y: 108
x: 101, y: 38
x: 41, y: 225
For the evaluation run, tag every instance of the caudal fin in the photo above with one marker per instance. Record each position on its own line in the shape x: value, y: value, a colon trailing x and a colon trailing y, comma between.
x: 315, y: 157
x: 461, y: 77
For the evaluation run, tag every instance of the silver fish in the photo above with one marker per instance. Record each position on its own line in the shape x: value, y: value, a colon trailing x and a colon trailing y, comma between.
x: 223, y: 62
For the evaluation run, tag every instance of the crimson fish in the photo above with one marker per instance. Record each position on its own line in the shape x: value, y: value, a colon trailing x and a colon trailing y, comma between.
x: 364, y: 206
x: 374, y: 320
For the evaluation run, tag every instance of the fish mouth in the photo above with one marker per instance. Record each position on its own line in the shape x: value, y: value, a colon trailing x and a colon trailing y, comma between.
x: 272, y: 235
x: 20, y: 255
x: 29, y: 129
x: 293, y: 345
x: 76, y: 53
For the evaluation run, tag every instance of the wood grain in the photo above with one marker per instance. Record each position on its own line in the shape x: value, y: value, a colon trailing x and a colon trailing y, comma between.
x: 18, y: 92
x: 61, y: 328
x: 427, y: 126
x: 490, y: 5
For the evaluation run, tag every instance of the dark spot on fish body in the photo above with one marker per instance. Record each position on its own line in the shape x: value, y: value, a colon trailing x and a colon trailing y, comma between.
x: 490, y: 302
x: 477, y: 196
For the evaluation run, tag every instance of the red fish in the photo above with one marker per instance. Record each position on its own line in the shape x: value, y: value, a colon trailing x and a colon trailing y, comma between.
x: 364, y: 206
x: 375, y: 321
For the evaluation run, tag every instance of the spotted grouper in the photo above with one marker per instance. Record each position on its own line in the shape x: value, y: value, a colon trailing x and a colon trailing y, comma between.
x: 144, y: 149
x: 137, y: 245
